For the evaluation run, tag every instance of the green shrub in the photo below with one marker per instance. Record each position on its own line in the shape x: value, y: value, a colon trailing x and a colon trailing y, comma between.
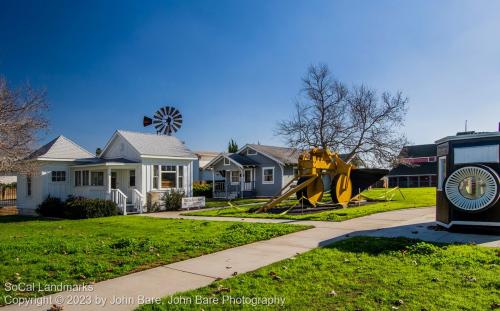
x: 77, y: 208
x: 202, y: 190
x: 173, y: 200
x: 80, y: 208
x: 51, y: 207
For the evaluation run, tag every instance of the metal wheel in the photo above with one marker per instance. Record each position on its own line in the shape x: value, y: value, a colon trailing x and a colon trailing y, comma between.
x: 472, y: 188
x: 311, y: 194
x: 341, y: 189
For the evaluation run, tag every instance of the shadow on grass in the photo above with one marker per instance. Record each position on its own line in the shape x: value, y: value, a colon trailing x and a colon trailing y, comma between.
x: 414, y: 233
x: 377, y: 246
x: 17, y: 218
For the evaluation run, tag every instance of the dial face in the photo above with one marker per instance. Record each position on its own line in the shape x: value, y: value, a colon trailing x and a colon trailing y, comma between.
x: 472, y: 188
x: 167, y: 120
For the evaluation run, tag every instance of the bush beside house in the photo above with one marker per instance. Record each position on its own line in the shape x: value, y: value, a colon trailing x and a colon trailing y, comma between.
x: 77, y: 208
x: 202, y: 190
x: 172, y: 200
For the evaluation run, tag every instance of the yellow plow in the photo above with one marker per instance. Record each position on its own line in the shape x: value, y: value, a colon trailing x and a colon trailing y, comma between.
x: 345, y: 179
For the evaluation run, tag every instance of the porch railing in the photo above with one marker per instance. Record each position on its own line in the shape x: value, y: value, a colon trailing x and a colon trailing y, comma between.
x: 138, y: 200
x: 226, y: 190
x: 120, y: 199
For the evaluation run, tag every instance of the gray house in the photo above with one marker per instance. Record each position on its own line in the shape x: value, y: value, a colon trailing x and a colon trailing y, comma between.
x: 253, y: 171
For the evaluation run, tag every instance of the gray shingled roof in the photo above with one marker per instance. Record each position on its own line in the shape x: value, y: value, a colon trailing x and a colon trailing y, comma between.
x: 418, y: 151
x: 61, y: 148
x: 242, y: 160
x: 426, y: 168
x: 282, y: 154
x: 157, y: 145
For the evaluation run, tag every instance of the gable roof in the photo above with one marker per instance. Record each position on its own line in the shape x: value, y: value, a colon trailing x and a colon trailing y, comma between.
x: 238, y: 159
x: 155, y: 145
x: 61, y: 148
x: 418, y: 151
x: 284, y: 155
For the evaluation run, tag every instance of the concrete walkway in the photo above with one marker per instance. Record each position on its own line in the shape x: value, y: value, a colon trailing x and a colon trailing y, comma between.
x: 127, y: 292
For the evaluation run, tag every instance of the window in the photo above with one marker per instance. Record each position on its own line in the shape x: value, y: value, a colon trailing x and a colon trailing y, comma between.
x: 268, y: 175
x: 78, y: 178
x: 295, y: 171
x: 441, y: 172
x: 58, y: 176
x: 85, y: 178
x: 97, y: 178
x: 168, y: 176
x: 235, y: 177
x: 131, y: 178
x: 251, y: 152
x: 81, y: 178
x: 477, y: 154
x: 226, y: 161
x: 28, y: 185
x: 180, y: 177
x: 248, y: 176
x: 156, y: 176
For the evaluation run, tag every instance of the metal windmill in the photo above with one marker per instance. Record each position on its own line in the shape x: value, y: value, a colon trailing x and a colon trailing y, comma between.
x: 166, y: 120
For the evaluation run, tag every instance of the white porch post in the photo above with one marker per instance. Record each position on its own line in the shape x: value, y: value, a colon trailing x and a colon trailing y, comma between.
x: 242, y: 180
x: 109, y: 183
x: 213, y: 181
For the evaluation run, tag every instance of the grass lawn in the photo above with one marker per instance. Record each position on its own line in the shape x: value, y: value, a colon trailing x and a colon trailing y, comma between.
x: 413, y: 197
x: 366, y: 274
x: 82, y: 251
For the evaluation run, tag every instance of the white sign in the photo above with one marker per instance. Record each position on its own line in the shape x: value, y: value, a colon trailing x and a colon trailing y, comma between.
x: 192, y: 202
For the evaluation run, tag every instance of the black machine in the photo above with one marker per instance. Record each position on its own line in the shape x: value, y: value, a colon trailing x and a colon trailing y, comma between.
x: 468, y: 182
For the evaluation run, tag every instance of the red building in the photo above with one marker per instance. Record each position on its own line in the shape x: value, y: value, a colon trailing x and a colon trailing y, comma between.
x: 417, y: 168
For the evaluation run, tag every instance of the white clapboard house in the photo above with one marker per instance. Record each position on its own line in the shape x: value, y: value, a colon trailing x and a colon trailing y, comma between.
x: 131, y: 166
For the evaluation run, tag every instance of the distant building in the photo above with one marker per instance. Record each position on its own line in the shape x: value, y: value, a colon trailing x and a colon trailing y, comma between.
x: 418, y: 167
x: 200, y: 174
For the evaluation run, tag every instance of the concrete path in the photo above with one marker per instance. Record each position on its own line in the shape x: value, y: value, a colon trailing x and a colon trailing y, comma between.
x: 127, y: 292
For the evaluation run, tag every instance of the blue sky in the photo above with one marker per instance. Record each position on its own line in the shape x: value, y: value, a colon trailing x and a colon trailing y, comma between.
x: 233, y: 68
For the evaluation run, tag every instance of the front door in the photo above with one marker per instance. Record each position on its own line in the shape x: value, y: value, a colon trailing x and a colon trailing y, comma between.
x: 248, y: 180
x: 114, y: 180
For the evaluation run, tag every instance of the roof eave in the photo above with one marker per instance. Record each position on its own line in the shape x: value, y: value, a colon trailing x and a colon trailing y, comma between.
x: 151, y: 156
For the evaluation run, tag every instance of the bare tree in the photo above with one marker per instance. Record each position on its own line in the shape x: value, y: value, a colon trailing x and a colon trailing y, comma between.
x: 21, y: 119
x: 354, y: 121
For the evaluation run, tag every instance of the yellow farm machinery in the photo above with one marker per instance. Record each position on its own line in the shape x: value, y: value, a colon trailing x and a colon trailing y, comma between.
x: 346, y: 181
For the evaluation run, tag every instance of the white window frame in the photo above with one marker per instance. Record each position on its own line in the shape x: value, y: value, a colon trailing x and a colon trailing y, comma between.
x: 59, y: 176
x: 130, y: 178
x: 78, y: 179
x: 441, y: 173
x: 175, y: 171
x: 85, y: 181
x: 231, y: 177
x: 156, y: 170
x: 264, y: 182
x: 251, y: 152
x: 226, y: 163
x: 97, y: 184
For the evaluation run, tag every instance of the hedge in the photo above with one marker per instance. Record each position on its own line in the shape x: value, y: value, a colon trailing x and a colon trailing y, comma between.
x: 202, y: 190
x: 77, y: 208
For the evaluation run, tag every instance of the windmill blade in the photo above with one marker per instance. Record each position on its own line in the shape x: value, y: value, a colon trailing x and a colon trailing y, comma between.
x: 147, y: 121
x: 176, y: 113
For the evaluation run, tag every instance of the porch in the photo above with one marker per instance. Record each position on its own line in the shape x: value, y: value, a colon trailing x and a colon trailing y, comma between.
x: 223, y: 190
x: 113, y: 180
x: 239, y: 174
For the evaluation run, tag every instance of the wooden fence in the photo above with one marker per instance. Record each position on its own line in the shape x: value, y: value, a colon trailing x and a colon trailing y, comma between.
x: 7, y: 195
